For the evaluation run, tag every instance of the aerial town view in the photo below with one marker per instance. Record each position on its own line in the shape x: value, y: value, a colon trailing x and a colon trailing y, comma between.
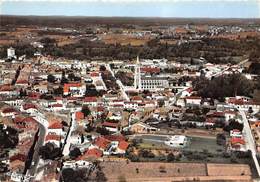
x: 130, y: 91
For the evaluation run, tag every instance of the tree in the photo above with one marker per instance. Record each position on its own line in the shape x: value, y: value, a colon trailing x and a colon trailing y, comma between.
x: 170, y: 157
x: 85, y: 110
x: 51, y: 78
x: 102, y: 68
x: 49, y: 151
x: 102, y: 131
x: 75, y: 153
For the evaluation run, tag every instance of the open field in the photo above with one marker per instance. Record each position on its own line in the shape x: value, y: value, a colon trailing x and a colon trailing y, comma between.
x: 123, y: 171
x: 123, y: 39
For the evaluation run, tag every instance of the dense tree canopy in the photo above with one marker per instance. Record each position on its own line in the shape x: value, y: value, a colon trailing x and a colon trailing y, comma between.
x: 223, y: 86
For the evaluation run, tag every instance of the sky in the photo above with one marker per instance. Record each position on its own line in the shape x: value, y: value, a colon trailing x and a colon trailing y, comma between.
x: 135, y: 8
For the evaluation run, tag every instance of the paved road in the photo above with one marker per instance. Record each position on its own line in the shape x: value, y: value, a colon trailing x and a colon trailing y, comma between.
x: 221, y: 72
x: 119, y: 83
x: 67, y: 142
x: 150, y: 137
x: 42, y: 133
x: 250, y: 142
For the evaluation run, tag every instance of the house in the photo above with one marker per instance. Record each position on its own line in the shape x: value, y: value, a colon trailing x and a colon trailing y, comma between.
x: 102, y: 143
x: 142, y: 128
x: 137, y: 99
x: 243, y: 103
x: 55, y: 128
x: 8, y: 89
x: 130, y: 105
x: 181, y: 102
x: 56, y: 107
x: 186, y: 92
x: 113, y: 127
x: 91, y: 153
x: 114, y: 115
x: 122, y: 147
x: 29, y: 108
x: 74, y: 89
x: 230, y: 115
x: 237, y: 144
x: 9, y: 112
x: 79, y: 116
x: 55, y: 139
x: 177, y: 141
x: 255, y: 125
x: 193, y: 100
x: 90, y: 101
x: 236, y: 133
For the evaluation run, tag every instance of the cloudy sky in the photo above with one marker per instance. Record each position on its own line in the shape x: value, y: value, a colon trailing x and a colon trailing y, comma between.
x: 135, y: 8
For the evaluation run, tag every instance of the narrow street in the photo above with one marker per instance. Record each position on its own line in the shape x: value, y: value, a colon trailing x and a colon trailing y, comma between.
x: 250, y: 141
x: 35, y: 160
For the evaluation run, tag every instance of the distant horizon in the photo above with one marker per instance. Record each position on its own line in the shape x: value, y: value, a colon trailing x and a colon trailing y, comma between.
x: 213, y: 9
x: 131, y: 17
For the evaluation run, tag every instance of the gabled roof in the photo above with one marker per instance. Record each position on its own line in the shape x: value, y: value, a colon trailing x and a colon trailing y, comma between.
x: 110, y: 124
x: 6, y: 87
x: 236, y: 140
x: 20, y: 157
x: 53, y: 137
x: 90, y: 99
x: 115, y: 137
x: 150, y: 70
x: 29, y: 106
x: 123, y: 145
x: 68, y: 85
x: 56, y: 125
x: 57, y: 105
x: 79, y: 115
x: 9, y: 110
x: 101, y: 142
x: 94, y: 153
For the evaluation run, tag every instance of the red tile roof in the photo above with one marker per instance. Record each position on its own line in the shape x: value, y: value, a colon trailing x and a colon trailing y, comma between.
x: 9, y: 110
x: 56, y: 125
x: 6, y: 87
x: 21, y: 82
x: 150, y: 70
x: 94, y: 153
x: 34, y: 95
x: 29, y: 106
x: 57, y: 105
x: 90, y: 99
x: 101, y: 142
x: 68, y: 85
x: 79, y: 115
x: 52, y: 137
x: 115, y: 137
x: 235, y: 140
x: 20, y: 157
x: 136, y: 98
x: 110, y: 124
x: 94, y: 74
x: 29, y: 119
x: 123, y: 145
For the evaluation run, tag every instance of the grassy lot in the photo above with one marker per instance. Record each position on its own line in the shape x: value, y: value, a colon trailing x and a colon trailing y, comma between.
x: 201, y: 144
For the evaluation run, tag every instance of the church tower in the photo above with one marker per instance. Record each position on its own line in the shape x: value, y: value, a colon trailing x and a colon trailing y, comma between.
x: 137, y: 83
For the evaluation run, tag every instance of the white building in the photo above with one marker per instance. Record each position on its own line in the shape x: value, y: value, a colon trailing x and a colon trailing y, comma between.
x: 177, y: 141
x: 11, y: 53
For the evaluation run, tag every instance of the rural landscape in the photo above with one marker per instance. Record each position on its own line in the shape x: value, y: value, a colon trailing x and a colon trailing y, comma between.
x: 129, y: 99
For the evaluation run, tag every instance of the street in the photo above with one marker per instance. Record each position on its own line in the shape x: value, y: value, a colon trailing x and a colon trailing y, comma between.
x: 250, y: 140
x: 35, y: 160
